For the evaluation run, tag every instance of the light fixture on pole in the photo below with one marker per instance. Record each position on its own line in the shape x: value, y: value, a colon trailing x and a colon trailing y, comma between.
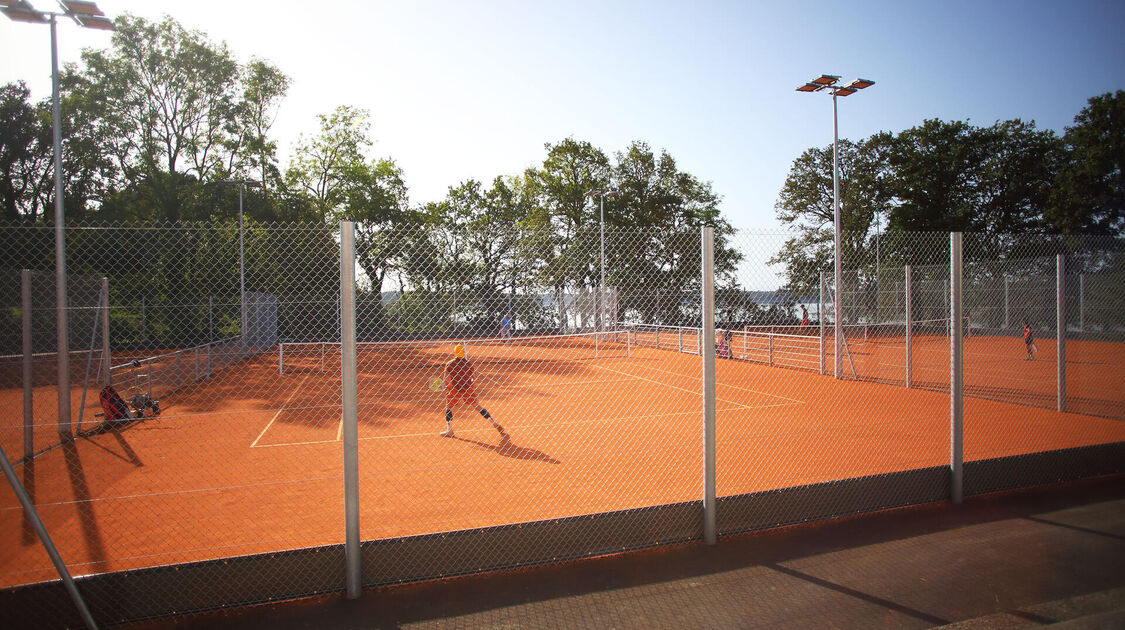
x: 601, y: 223
x: 86, y: 15
x: 242, y: 184
x: 828, y: 82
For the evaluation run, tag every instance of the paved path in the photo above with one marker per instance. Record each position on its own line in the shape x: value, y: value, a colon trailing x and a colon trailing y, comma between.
x: 1026, y: 559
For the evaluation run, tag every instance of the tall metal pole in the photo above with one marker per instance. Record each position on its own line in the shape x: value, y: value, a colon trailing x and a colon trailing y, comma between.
x: 349, y: 424
x: 839, y: 329
x: 820, y: 316
x: 602, y: 227
x: 28, y: 383
x: 909, y: 329
x: 241, y: 266
x: 1060, y: 328
x: 60, y: 250
x: 707, y: 352
x: 107, y: 358
x: 956, y: 393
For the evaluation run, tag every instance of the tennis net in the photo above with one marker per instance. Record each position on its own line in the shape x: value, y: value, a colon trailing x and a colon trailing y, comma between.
x: 518, y: 353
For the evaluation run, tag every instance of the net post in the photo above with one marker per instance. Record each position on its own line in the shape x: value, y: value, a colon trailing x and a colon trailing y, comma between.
x: 956, y: 407
x: 680, y: 336
x: 28, y: 384
x: 348, y: 393
x: 1060, y: 328
x: 281, y: 358
x: 707, y: 350
x: 909, y: 331
x: 820, y: 315
x: 770, y: 337
x: 107, y: 361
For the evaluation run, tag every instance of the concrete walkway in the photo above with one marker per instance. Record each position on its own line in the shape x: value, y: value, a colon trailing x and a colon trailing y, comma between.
x: 1049, y: 556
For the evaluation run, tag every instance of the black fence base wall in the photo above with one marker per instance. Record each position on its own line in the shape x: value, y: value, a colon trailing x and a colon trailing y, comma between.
x: 1039, y: 469
x: 832, y: 499
x: 431, y: 556
x: 231, y: 582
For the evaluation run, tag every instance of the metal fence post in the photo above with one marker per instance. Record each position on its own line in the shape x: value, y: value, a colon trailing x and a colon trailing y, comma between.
x: 707, y: 350
x: 107, y: 363
x: 1060, y: 328
x: 28, y: 375
x: 956, y: 402
x: 1007, y: 282
x: 1082, y: 302
x: 909, y: 330
x: 820, y: 314
x: 349, y: 428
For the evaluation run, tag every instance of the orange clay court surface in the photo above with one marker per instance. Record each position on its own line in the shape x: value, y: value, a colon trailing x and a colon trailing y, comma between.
x: 251, y: 461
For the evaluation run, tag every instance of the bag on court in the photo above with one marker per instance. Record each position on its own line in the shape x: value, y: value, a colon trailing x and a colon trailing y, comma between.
x: 113, y: 405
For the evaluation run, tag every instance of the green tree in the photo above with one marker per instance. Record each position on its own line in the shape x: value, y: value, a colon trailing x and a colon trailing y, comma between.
x: 806, y: 205
x: 22, y: 156
x: 1089, y: 191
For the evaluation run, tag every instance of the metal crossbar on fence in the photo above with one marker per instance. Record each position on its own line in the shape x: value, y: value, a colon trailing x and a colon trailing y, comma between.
x: 471, y: 399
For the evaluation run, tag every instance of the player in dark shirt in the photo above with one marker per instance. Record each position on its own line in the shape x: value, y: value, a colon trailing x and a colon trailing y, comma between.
x: 459, y: 389
x: 1029, y: 341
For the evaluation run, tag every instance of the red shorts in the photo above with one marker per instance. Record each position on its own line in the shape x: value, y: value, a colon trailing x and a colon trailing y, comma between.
x: 453, y: 396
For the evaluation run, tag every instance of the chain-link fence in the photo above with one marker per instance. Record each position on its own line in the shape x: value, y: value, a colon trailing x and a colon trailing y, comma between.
x: 518, y: 398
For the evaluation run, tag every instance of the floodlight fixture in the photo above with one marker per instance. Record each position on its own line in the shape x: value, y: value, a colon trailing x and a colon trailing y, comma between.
x: 826, y: 79
x: 80, y: 7
x: 845, y: 91
x: 95, y: 22
x: 859, y: 84
x: 810, y: 87
x: 22, y: 11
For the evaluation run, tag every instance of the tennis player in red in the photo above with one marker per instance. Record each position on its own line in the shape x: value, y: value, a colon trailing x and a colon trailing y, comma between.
x: 459, y: 389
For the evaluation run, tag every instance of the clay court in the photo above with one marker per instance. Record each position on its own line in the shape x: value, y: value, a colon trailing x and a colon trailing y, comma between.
x: 250, y: 460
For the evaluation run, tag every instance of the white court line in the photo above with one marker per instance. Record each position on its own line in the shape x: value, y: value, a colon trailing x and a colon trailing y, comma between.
x: 489, y: 429
x: 576, y: 423
x: 717, y: 399
x: 282, y: 408
x: 745, y: 389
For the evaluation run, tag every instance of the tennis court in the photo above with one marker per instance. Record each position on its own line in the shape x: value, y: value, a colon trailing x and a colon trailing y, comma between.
x: 250, y: 460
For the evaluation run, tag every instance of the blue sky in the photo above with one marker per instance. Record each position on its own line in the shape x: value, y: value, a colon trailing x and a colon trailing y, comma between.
x: 462, y: 90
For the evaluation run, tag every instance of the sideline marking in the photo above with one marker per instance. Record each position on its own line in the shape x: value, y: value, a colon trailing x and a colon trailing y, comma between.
x: 717, y: 399
x: 282, y: 408
x: 717, y: 383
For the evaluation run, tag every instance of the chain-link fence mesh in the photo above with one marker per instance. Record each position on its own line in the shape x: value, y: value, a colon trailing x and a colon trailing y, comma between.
x: 575, y: 432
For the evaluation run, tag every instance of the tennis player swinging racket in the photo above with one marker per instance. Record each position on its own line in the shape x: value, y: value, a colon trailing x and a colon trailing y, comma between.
x: 459, y: 389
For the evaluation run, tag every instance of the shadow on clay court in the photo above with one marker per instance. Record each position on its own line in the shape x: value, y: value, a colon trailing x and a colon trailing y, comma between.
x: 80, y: 487
x: 506, y: 448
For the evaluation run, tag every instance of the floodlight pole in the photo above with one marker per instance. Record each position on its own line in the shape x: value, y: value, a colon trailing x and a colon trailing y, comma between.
x: 241, y: 267
x: 88, y: 16
x: 839, y: 270
x: 60, y: 247
x: 601, y: 227
x: 828, y: 82
x: 242, y: 184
